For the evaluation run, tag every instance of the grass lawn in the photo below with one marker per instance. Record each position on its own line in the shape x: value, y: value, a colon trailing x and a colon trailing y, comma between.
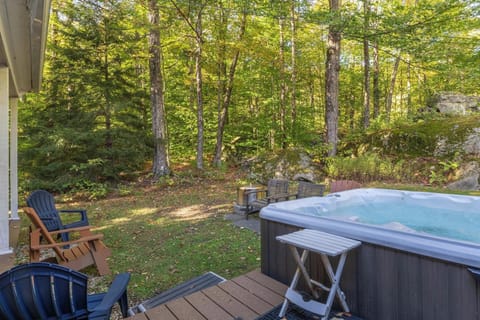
x: 169, y: 232
x: 166, y: 233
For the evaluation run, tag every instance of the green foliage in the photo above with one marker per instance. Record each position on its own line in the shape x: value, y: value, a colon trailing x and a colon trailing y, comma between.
x: 92, y: 121
x: 405, y: 138
x: 369, y: 167
x: 439, y: 174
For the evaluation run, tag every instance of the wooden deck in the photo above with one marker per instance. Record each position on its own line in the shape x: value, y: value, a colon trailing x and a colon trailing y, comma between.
x: 245, y: 297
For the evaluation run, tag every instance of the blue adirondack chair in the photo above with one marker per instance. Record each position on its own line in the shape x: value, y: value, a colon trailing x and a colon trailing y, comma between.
x: 49, y: 291
x: 44, y: 204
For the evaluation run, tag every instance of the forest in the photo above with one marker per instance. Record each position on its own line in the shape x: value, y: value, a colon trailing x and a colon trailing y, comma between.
x: 138, y: 87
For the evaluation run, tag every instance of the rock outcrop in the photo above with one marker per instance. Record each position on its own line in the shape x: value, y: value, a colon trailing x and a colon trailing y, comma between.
x: 453, y: 103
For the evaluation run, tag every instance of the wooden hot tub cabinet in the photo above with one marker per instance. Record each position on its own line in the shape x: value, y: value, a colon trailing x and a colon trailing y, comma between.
x: 384, y: 283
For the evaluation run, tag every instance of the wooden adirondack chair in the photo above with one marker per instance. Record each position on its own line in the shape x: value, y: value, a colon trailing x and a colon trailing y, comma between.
x: 76, y: 254
x: 277, y: 190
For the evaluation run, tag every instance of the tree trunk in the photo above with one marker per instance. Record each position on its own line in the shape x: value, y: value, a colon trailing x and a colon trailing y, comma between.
x: 409, y: 89
x: 332, y: 72
x: 107, y: 96
x: 366, y: 66
x: 199, y: 81
x: 393, y: 79
x: 283, y: 85
x: 159, y: 122
x: 376, y: 81
x: 221, y: 83
x: 191, y: 75
x: 293, y: 28
x: 225, y: 102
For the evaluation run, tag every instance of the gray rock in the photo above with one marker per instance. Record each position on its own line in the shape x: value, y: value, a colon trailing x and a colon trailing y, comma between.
x: 467, y: 183
x: 472, y: 143
x: 468, y: 169
x: 441, y: 148
x: 304, y: 176
x: 453, y: 103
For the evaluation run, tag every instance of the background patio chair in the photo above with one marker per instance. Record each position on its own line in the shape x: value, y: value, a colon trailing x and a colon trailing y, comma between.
x: 44, y: 204
x: 80, y: 253
x: 343, y: 185
x: 48, y: 291
x: 277, y: 190
x: 308, y: 189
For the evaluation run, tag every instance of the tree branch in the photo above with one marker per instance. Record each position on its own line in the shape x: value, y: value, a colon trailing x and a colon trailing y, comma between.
x: 187, y: 20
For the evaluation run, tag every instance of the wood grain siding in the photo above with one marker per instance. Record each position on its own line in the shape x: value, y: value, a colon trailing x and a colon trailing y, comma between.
x: 385, y: 283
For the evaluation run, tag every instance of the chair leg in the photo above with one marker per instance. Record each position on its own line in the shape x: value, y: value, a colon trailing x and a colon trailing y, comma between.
x: 100, y: 253
x: 123, y: 302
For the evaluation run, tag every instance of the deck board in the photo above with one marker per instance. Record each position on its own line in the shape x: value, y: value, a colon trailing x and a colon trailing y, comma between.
x: 161, y: 312
x: 257, y: 289
x: 244, y: 297
x: 267, y: 282
x: 184, y: 310
x: 209, y: 309
x: 230, y: 304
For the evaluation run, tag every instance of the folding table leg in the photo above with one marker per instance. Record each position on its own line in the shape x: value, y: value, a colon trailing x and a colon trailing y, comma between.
x: 296, y: 277
x: 335, y: 279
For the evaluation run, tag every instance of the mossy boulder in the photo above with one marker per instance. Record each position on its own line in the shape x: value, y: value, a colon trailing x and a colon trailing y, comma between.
x: 441, y: 137
x: 290, y: 164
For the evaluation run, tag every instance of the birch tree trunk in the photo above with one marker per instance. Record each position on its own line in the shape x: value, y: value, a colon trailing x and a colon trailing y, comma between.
x: 159, y: 122
x: 199, y: 82
x: 366, y: 66
x: 332, y: 71
x: 293, y: 28
x: 376, y: 81
x: 283, y: 85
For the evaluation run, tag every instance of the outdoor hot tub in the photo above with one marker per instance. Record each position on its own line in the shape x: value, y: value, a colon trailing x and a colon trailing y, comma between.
x: 419, y: 256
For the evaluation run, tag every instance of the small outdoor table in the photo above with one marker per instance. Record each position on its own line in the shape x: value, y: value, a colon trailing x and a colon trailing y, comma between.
x: 327, y: 245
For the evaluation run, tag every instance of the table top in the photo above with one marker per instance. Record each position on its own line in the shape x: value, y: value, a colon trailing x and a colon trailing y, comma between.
x: 319, y: 242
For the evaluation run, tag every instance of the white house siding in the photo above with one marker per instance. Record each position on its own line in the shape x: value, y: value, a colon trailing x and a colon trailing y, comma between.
x: 4, y: 162
x: 14, y: 158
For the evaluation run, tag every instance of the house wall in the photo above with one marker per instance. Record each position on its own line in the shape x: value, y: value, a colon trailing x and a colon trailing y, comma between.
x: 4, y: 162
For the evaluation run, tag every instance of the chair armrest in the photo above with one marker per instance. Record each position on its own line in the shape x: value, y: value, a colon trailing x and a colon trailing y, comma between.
x: 83, y: 216
x: 257, y: 192
x: 278, y: 197
x: 76, y: 229
x: 116, y: 293
x: 81, y: 211
x: 82, y: 231
x: 92, y: 237
x: 291, y: 196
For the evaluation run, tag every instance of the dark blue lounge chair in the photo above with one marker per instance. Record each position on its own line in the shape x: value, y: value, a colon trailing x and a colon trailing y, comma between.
x: 44, y: 204
x: 49, y: 291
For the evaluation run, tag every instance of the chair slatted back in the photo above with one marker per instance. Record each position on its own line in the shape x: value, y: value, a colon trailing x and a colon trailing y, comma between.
x: 308, y: 189
x: 38, y: 223
x: 277, y: 187
x: 43, y: 291
x: 44, y: 204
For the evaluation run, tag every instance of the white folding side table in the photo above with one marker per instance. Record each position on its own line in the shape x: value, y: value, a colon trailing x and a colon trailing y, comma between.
x: 327, y: 245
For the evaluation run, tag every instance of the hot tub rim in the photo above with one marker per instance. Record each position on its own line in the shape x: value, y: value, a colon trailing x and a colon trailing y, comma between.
x: 452, y: 250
